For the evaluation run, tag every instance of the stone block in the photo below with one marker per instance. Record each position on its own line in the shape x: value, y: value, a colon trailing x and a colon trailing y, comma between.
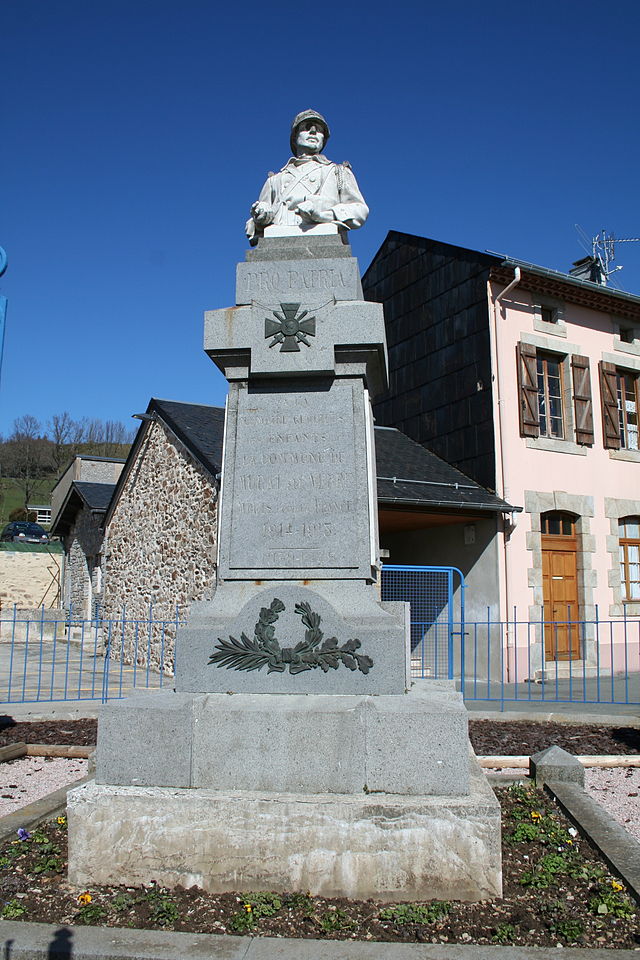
x: 555, y: 764
x: 307, y: 247
x: 382, y: 846
x: 295, y: 501
x: 416, y: 743
x: 294, y: 744
x: 218, y: 627
x: 146, y: 740
x: 281, y: 281
x: 297, y: 337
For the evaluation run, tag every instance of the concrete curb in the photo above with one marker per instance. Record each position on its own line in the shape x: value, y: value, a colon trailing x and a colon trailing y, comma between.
x: 34, y: 813
x: 617, y: 847
x: 40, y: 941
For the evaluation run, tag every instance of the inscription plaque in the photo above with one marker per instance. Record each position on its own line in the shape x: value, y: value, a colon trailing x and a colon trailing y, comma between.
x: 295, y: 483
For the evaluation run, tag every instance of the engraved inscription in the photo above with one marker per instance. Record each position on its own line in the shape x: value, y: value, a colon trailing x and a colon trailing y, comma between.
x: 272, y: 281
x: 298, y: 490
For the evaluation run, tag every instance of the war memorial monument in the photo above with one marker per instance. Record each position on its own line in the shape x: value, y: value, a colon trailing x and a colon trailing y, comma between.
x: 294, y: 753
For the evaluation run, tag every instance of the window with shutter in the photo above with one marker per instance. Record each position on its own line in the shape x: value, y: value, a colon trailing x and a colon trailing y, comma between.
x: 609, y: 398
x: 582, y: 402
x: 528, y: 390
x: 550, y: 403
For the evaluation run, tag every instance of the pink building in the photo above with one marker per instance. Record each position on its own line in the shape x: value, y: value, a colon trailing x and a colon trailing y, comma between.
x: 528, y: 380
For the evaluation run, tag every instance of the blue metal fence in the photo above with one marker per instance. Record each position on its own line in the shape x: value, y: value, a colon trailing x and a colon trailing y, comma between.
x: 54, y: 656
x: 436, y: 597
x: 51, y: 656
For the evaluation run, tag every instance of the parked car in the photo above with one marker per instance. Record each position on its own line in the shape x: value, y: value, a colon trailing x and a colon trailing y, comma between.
x: 24, y: 531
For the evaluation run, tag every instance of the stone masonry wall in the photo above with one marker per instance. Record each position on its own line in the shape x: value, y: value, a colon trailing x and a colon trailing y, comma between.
x: 82, y: 546
x: 160, y: 547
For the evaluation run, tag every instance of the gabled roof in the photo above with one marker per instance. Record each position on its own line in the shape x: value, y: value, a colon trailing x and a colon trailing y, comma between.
x: 199, y: 426
x: 95, y: 496
x: 409, y: 474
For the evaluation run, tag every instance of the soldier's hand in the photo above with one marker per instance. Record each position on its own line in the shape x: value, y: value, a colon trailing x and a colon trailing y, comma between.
x: 261, y: 214
x: 312, y: 212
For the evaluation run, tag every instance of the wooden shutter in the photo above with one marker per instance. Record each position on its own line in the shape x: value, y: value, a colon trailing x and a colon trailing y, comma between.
x: 528, y: 390
x: 609, y: 397
x: 582, y: 403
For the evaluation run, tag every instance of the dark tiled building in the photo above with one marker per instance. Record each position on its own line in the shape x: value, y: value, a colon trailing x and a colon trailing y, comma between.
x: 436, y: 312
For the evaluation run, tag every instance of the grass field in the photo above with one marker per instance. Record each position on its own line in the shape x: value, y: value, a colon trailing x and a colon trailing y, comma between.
x: 11, y: 496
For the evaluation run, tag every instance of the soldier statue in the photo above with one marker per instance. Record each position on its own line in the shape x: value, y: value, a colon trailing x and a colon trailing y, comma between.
x: 309, y: 189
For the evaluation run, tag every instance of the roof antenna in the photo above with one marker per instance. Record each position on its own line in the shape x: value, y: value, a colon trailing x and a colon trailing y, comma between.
x: 602, y: 252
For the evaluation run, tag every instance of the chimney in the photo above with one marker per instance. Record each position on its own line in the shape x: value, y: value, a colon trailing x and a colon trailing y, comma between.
x: 588, y: 269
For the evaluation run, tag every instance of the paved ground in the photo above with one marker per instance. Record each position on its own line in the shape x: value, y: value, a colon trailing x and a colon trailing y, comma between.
x: 35, y: 941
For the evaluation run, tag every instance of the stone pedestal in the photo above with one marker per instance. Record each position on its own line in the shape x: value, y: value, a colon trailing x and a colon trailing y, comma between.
x: 294, y: 753
x: 356, y: 845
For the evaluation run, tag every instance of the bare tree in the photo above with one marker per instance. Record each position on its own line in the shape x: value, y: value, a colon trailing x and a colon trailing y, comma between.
x: 27, y: 456
x: 61, y: 431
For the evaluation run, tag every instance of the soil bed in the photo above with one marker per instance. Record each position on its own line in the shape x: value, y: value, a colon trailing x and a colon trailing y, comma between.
x: 489, y: 738
x: 556, y: 892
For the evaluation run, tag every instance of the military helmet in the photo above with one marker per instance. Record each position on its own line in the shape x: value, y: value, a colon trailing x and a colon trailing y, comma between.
x: 300, y: 118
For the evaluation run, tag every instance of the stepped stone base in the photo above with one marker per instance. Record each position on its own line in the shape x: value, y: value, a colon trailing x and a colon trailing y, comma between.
x: 416, y: 743
x: 384, y: 846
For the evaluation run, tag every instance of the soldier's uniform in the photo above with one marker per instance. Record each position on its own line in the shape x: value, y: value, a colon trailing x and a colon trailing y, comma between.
x: 304, y: 178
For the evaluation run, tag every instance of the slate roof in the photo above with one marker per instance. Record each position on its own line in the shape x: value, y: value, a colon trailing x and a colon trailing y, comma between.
x: 409, y: 474
x: 95, y: 496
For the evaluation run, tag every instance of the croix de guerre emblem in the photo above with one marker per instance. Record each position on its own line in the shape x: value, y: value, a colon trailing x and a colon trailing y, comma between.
x: 289, y: 329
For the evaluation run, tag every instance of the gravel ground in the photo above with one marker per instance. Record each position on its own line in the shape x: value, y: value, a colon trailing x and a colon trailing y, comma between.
x: 618, y: 790
x: 30, y: 778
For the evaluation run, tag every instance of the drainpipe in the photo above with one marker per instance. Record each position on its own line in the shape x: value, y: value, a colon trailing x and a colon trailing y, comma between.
x: 503, y: 492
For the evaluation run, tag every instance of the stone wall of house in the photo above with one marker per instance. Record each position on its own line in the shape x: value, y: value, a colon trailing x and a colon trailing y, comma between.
x: 160, y: 547
x: 83, y: 546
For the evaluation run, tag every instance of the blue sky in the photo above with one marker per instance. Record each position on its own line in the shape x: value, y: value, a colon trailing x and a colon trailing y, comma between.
x: 136, y: 134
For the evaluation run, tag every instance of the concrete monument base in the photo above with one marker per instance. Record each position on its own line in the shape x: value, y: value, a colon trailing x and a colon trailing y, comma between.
x: 414, y: 744
x: 384, y: 846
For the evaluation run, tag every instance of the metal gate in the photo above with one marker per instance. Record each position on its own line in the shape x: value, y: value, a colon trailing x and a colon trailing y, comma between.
x: 436, y: 595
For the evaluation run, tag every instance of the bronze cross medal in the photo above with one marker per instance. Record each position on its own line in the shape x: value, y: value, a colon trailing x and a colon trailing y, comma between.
x: 291, y: 330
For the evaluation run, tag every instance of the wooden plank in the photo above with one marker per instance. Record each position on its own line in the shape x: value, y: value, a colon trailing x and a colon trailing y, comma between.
x: 13, y: 751
x: 613, y: 760
x: 59, y: 750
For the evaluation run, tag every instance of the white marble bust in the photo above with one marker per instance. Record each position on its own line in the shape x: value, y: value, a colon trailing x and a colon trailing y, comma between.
x: 309, y: 191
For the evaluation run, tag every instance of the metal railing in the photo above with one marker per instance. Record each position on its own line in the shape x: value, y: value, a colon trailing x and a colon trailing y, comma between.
x: 556, y: 661
x: 52, y: 655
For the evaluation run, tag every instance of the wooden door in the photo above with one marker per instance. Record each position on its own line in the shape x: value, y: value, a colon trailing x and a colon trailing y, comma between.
x: 560, y: 595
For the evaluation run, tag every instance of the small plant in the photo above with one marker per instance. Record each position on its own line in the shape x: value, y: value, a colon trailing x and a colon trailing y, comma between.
x: 264, y: 904
x: 300, y: 901
x: 12, y: 910
x: 570, y: 930
x: 404, y: 913
x: 524, y: 833
x: 90, y: 913
x: 243, y: 920
x: 611, y: 899
x: 524, y: 794
x: 505, y: 933
x: 544, y: 874
x: 51, y: 864
x: 163, y: 910
x: 122, y: 901
x: 334, y: 920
